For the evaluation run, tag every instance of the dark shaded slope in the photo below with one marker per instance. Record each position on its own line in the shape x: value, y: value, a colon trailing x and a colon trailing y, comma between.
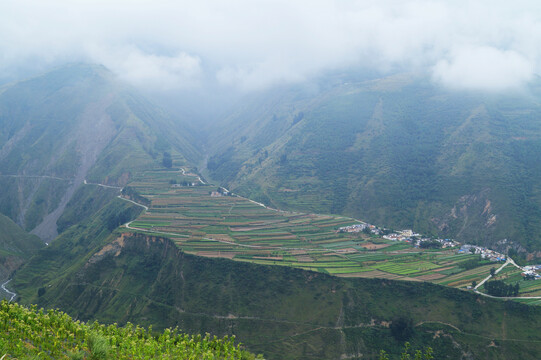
x: 16, y: 246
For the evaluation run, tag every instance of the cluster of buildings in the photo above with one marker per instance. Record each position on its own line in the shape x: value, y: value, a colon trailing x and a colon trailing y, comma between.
x: 408, y: 236
x: 403, y: 235
x: 360, y: 227
x: 445, y: 243
x: 417, y: 240
x: 530, y: 272
x: 353, y: 228
x: 484, y: 252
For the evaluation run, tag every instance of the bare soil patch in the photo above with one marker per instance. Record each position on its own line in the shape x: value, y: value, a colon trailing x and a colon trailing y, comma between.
x: 371, y: 246
x: 428, y: 277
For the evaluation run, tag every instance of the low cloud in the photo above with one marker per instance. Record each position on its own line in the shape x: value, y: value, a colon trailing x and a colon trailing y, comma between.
x: 483, y: 45
x: 149, y: 71
x: 485, y: 69
x: 259, y: 75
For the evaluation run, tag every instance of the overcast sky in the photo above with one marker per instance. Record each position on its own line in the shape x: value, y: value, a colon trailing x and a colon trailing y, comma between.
x: 250, y: 44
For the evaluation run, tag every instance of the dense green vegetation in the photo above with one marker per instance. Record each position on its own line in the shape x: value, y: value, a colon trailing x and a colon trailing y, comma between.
x: 397, y: 152
x: 37, y: 334
x: 500, y: 288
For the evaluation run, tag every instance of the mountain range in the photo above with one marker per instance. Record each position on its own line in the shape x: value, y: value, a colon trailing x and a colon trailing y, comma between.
x: 397, y: 152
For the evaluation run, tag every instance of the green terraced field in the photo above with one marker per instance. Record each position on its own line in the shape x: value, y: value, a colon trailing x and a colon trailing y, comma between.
x: 237, y: 228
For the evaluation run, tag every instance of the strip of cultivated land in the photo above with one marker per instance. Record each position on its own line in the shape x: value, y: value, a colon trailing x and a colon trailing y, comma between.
x: 203, y: 222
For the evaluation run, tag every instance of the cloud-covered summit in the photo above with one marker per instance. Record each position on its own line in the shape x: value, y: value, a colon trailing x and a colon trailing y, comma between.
x: 483, y: 45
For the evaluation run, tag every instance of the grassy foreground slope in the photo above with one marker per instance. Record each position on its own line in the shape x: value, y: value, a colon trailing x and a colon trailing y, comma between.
x: 37, y: 334
x: 398, y: 152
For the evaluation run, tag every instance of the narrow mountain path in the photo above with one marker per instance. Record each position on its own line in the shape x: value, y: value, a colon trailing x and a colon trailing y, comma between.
x: 36, y: 177
x: 133, y: 202
x: 145, y: 208
x: 439, y: 322
x: 194, y: 175
x: 507, y: 262
x: 507, y: 297
x: 103, y: 185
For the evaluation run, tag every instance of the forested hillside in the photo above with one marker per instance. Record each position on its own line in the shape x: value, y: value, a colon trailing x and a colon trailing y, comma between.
x: 398, y: 152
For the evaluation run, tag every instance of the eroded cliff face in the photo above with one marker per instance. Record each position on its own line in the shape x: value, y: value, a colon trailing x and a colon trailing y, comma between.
x: 94, y: 132
x: 468, y: 215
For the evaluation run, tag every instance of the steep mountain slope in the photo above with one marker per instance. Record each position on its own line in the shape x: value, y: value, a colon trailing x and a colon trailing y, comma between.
x: 75, y: 123
x: 16, y: 246
x: 398, y: 152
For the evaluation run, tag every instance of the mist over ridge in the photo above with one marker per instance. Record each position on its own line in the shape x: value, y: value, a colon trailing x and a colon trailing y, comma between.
x: 245, y: 46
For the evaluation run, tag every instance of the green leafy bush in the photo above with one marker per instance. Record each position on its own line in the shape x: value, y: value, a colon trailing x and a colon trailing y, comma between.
x: 38, y: 334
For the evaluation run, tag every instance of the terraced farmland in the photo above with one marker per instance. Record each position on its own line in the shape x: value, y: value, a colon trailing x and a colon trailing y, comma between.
x: 204, y: 222
x: 527, y: 288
